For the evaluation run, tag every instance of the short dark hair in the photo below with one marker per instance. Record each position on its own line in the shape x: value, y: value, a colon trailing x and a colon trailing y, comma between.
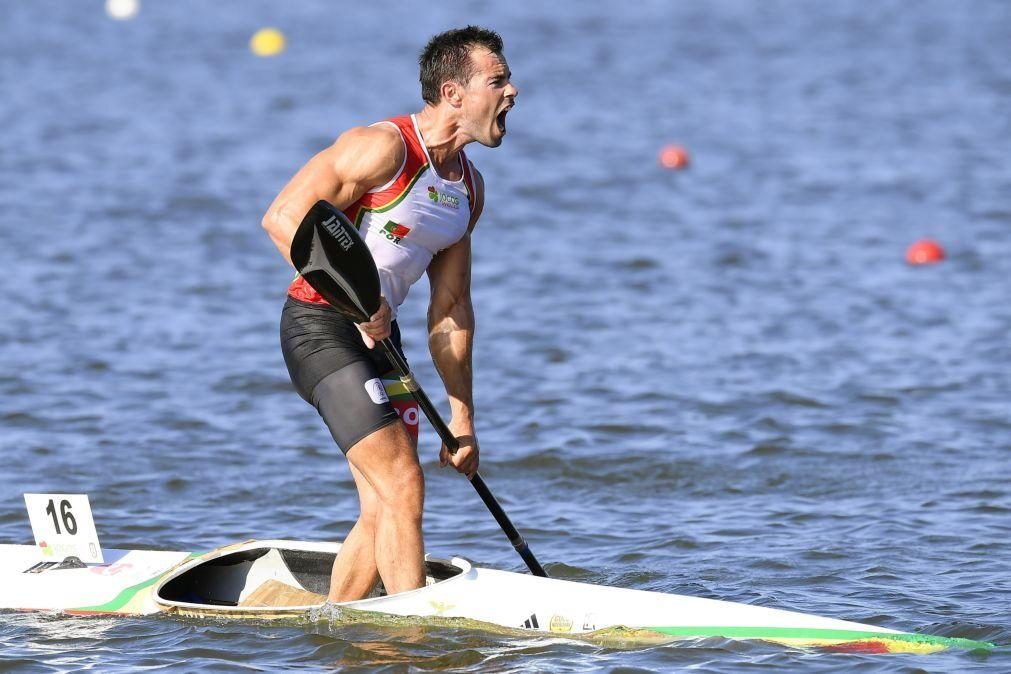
x: 446, y: 57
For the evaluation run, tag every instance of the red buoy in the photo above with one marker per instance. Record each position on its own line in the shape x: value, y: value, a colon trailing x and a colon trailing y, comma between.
x: 924, y: 251
x: 673, y: 157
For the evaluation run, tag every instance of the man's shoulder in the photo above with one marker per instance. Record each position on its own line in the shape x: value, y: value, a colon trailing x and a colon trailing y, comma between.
x: 380, y: 143
x: 385, y: 134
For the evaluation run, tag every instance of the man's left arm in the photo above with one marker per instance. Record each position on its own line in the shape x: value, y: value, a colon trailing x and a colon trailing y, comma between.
x: 451, y: 339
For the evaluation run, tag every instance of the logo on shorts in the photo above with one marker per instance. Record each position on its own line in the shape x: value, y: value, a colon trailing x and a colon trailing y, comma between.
x: 395, y: 232
x: 376, y: 391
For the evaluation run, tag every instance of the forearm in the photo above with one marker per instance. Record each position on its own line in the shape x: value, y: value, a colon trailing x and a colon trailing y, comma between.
x: 451, y: 341
x: 315, y: 181
x: 281, y: 221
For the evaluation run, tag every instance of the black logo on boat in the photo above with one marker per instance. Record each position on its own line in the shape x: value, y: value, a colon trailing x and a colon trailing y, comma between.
x: 531, y: 622
x: 40, y: 567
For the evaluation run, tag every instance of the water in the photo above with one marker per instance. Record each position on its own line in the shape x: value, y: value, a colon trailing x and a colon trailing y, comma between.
x: 722, y: 381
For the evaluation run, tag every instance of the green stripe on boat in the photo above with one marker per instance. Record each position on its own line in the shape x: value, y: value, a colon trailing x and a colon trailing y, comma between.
x: 124, y: 597
x: 807, y: 634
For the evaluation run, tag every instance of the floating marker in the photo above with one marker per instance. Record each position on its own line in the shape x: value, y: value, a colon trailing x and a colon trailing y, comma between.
x: 924, y: 251
x: 122, y: 10
x: 673, y: 157
x: 267, y: 42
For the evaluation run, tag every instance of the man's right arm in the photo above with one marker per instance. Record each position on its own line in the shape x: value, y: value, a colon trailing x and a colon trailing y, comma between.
x: 362, y: 158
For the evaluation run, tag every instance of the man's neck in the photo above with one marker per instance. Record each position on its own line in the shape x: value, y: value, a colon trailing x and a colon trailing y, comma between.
x: 442, y: 137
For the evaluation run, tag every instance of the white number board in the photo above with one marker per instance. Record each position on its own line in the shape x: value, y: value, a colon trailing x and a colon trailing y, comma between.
x: 63, y: 527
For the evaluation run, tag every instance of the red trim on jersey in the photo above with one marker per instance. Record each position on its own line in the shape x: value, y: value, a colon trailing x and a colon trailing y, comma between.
x: 302, y: 291
x: 414, y: 163
x: 468, y: 180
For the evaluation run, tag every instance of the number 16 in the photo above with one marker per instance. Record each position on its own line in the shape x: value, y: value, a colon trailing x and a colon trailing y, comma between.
x: 69, y: 523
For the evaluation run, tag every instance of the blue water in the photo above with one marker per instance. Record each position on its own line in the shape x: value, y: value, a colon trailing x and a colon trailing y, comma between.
x: 723, y: 381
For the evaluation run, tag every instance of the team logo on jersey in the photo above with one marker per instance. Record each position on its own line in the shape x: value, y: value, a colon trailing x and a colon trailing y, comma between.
x: 443, y: 199
x: 395, y: 232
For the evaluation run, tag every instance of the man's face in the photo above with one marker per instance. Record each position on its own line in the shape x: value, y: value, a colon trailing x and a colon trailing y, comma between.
x: 488, y: 96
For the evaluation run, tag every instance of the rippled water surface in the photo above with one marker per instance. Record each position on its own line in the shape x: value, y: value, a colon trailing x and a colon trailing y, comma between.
x: 722, y: 381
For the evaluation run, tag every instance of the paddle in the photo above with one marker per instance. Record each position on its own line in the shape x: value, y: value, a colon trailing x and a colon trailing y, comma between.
x: 332, y: 257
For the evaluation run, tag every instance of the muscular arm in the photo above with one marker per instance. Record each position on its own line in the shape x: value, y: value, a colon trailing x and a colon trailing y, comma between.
x: 451, y: 325
x: 362, y: 158
x: 451, y: 337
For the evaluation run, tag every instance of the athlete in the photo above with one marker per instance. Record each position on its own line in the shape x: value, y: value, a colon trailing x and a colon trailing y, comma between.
x: 415, y: 198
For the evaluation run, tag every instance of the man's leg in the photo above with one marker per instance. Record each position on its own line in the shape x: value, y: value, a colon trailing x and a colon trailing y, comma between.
x: 387, y: 459
x: 354, y: 571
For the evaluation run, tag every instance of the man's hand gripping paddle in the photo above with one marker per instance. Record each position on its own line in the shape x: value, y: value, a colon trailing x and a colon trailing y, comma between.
x: 332, y: 257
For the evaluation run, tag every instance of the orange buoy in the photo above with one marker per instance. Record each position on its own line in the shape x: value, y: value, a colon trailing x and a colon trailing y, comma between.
x: 673, y: 157
x: 924, y: 251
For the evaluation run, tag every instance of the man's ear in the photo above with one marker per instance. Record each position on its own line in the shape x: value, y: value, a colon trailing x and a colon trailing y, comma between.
x: 452, y: 93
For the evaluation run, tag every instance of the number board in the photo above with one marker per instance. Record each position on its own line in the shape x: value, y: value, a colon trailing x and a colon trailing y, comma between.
x: 63, y: 527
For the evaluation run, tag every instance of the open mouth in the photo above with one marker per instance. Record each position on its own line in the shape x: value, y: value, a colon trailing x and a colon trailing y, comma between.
x: 500, y: 120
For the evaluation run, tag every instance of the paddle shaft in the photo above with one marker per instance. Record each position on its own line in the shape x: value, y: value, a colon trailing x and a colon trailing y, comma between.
x: 407, y: 377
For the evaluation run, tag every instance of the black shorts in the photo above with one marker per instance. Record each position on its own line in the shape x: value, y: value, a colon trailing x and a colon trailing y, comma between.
x: 336, y: 373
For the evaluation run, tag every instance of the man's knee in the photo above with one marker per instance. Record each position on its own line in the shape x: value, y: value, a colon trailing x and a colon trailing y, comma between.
x: 406, y: 487
x: 368, y: 513
x: 403, y: 493
x: 389, y: 462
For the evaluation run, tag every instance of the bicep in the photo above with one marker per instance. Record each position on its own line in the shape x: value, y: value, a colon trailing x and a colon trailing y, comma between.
x: 359, y: 160
x: 314, y: 181
x: 364, y: 158
x: 449, y: 271
x: 449, y: 277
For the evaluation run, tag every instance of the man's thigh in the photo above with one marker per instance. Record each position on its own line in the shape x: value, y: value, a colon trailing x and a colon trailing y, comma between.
x: 354, y: 404
x: 388, y: 459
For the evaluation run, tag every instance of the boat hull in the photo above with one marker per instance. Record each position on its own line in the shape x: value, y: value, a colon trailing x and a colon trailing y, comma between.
x: 121, y: 586
x: 288, y: 580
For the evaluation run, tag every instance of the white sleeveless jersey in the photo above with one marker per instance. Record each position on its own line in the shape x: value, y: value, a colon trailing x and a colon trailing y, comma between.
x: 408, y: 220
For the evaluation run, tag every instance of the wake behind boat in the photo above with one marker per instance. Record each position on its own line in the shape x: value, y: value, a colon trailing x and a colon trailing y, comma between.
x: 286, y: 580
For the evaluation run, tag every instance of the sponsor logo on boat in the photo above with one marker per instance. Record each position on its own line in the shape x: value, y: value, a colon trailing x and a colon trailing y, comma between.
x: 394, y: 232
x: 440, y: 607
x: 560, y: 623
x: 531, y: 622
x: 58, y: 551
x: 443, y: 199
x: 40, y: 567
x: 376, y: 391
x: 110, y: 570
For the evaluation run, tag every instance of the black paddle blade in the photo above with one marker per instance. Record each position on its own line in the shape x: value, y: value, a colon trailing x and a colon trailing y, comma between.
x: 331, y: 256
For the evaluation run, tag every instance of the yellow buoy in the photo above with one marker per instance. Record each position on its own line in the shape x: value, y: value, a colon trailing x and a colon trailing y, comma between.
x: 267, y: 42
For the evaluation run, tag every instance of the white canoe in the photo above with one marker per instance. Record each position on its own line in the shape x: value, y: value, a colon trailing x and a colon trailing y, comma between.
x: 271, y: 580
